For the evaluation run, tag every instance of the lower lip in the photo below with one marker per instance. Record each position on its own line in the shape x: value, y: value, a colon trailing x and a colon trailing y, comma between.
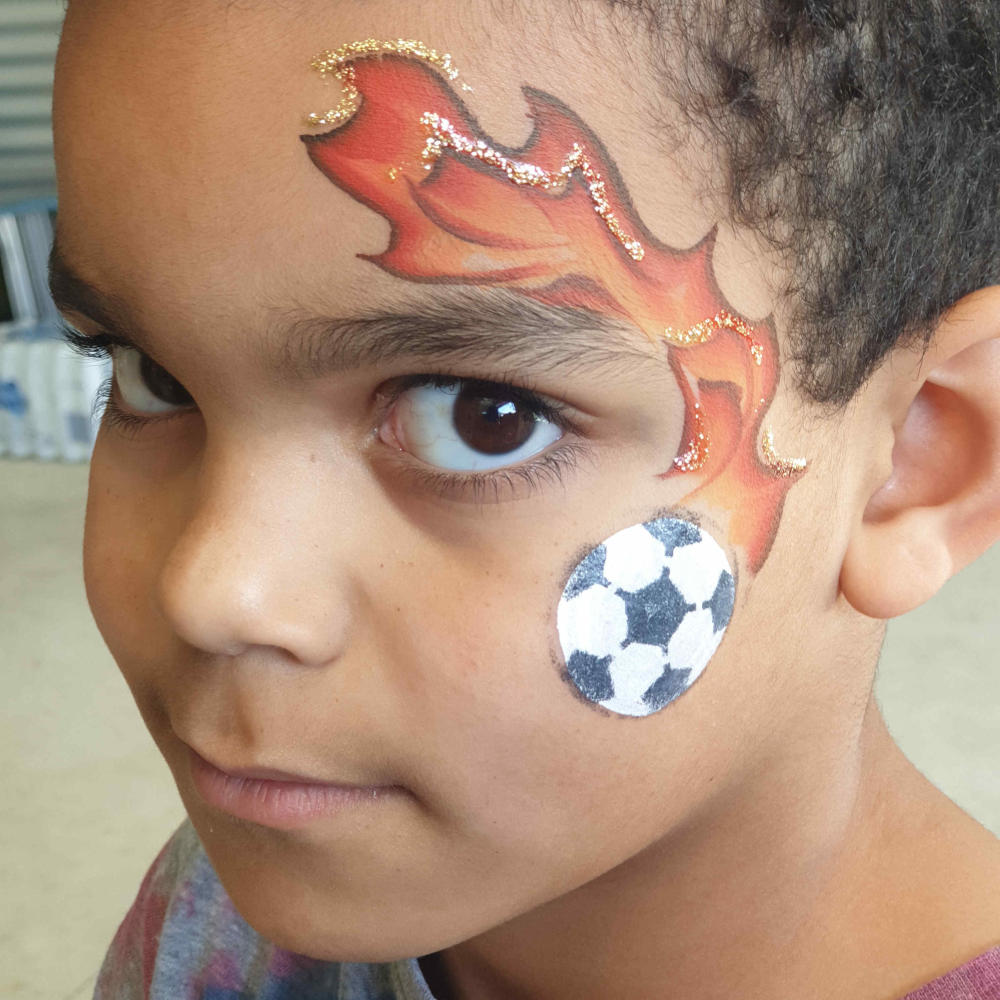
x: 284, y: 805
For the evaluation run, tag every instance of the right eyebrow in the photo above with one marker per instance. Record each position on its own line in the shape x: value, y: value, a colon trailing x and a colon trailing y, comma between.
x: 455, y: 324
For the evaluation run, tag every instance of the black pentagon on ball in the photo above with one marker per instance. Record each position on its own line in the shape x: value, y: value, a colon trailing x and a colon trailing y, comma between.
x: 590, y: 674
x: 721, y: 602
x: 665, y: 688
x: 654, y: 612
x: 589, y: 571
x: 673, y: 533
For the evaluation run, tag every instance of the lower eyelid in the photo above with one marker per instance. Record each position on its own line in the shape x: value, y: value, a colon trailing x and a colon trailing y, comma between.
x: 504, y: 484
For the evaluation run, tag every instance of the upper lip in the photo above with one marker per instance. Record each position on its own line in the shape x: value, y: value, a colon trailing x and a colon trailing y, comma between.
x: 275, y: 774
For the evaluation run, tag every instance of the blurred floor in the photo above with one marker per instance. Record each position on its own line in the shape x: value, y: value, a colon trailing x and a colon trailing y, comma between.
x: 88, y: 801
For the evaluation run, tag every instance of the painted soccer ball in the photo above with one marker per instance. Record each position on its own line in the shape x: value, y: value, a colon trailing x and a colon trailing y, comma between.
x: 643, y: 613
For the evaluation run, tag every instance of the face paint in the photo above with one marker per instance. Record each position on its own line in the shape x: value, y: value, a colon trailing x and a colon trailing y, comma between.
x: 642, y: 614
x: 554, y: 222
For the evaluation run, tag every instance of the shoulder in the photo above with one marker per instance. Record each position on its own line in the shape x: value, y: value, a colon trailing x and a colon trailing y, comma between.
x: 978, y: 979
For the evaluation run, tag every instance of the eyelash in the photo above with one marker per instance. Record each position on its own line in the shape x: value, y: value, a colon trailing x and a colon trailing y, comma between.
x: 480, y: 487
x: 99, y: 346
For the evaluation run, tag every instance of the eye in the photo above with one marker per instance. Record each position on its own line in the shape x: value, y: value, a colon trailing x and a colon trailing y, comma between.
x: 144, y: 386
x: 469, y: 424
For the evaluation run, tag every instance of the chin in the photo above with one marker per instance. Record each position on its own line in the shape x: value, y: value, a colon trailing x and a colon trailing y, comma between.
x: 336, y: 926
x: 355, y: 937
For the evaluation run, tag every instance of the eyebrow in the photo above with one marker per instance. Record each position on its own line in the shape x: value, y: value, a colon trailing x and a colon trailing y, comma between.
x: 458, y: 323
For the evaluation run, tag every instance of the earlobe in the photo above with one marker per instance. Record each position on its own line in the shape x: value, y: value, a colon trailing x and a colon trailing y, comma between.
x: 939, y: 509
x: 896, y: 566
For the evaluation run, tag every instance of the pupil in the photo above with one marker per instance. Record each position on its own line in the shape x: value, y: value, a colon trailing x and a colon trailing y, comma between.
x: 490, y: 423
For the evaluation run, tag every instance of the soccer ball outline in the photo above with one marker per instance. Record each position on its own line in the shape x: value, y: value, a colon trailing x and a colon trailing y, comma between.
x: 643, y: 613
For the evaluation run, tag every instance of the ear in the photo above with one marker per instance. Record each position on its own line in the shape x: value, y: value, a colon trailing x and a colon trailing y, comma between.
x: 940, y: 507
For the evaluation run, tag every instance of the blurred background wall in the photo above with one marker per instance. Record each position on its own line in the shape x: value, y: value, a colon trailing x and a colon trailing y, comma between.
x: 29, y: 31
x: 46, y: 394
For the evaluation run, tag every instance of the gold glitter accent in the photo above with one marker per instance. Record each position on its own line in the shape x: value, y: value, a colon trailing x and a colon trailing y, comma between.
x: 337, y: 62
x: 696, y: 453
x: 441, y: 134
x: 782, y: 466
x: 393, y: 173
x: 703, y: 331
x: 350, y: 101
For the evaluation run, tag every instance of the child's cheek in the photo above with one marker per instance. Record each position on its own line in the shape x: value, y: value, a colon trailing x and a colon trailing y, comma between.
x: 643, y: 613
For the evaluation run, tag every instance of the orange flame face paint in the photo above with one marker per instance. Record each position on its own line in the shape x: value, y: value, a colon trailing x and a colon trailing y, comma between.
x: 554, y: 222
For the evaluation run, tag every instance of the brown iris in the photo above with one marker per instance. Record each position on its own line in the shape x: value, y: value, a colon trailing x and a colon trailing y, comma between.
x: 491, y: 420
x: 161, y: 383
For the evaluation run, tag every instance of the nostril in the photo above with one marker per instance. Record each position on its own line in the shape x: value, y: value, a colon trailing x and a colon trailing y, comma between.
x: 225, y: 606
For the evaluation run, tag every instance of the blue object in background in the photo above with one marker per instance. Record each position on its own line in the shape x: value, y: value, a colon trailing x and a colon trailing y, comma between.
x: 12, y: 399
x: 47, y: 392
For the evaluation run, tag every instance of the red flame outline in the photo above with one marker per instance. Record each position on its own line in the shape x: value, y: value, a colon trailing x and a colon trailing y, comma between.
x: 464, y: 222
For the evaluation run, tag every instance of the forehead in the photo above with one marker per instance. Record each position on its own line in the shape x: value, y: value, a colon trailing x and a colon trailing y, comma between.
x: 178, y: 124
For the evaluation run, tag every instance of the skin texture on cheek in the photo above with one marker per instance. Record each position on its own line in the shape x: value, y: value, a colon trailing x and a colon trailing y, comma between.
x: 554, y: 222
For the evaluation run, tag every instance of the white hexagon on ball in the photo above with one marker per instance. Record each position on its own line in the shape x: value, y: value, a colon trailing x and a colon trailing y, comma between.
x: 633, y: 558
x: 695, y: 569
x: 632, y: 671
x: 693, y: 643
x: 596, y: 621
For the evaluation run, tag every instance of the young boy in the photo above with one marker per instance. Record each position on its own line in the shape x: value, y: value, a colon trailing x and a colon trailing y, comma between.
x: 525, y: 417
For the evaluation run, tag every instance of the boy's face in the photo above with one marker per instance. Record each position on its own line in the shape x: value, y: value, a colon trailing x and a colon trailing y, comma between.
x: 284, y: 581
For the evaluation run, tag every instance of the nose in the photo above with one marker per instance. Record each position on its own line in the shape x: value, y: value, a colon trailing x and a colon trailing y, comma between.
x: 263, y: 557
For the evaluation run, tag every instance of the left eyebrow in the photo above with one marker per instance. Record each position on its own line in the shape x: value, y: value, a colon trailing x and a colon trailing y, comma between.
x: 460, y: 325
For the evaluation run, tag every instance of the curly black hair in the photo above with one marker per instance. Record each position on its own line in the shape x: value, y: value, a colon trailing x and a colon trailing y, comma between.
x: 862, y: 139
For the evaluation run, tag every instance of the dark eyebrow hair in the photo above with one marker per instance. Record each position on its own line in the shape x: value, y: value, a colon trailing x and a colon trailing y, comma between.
x: 455, y: 323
